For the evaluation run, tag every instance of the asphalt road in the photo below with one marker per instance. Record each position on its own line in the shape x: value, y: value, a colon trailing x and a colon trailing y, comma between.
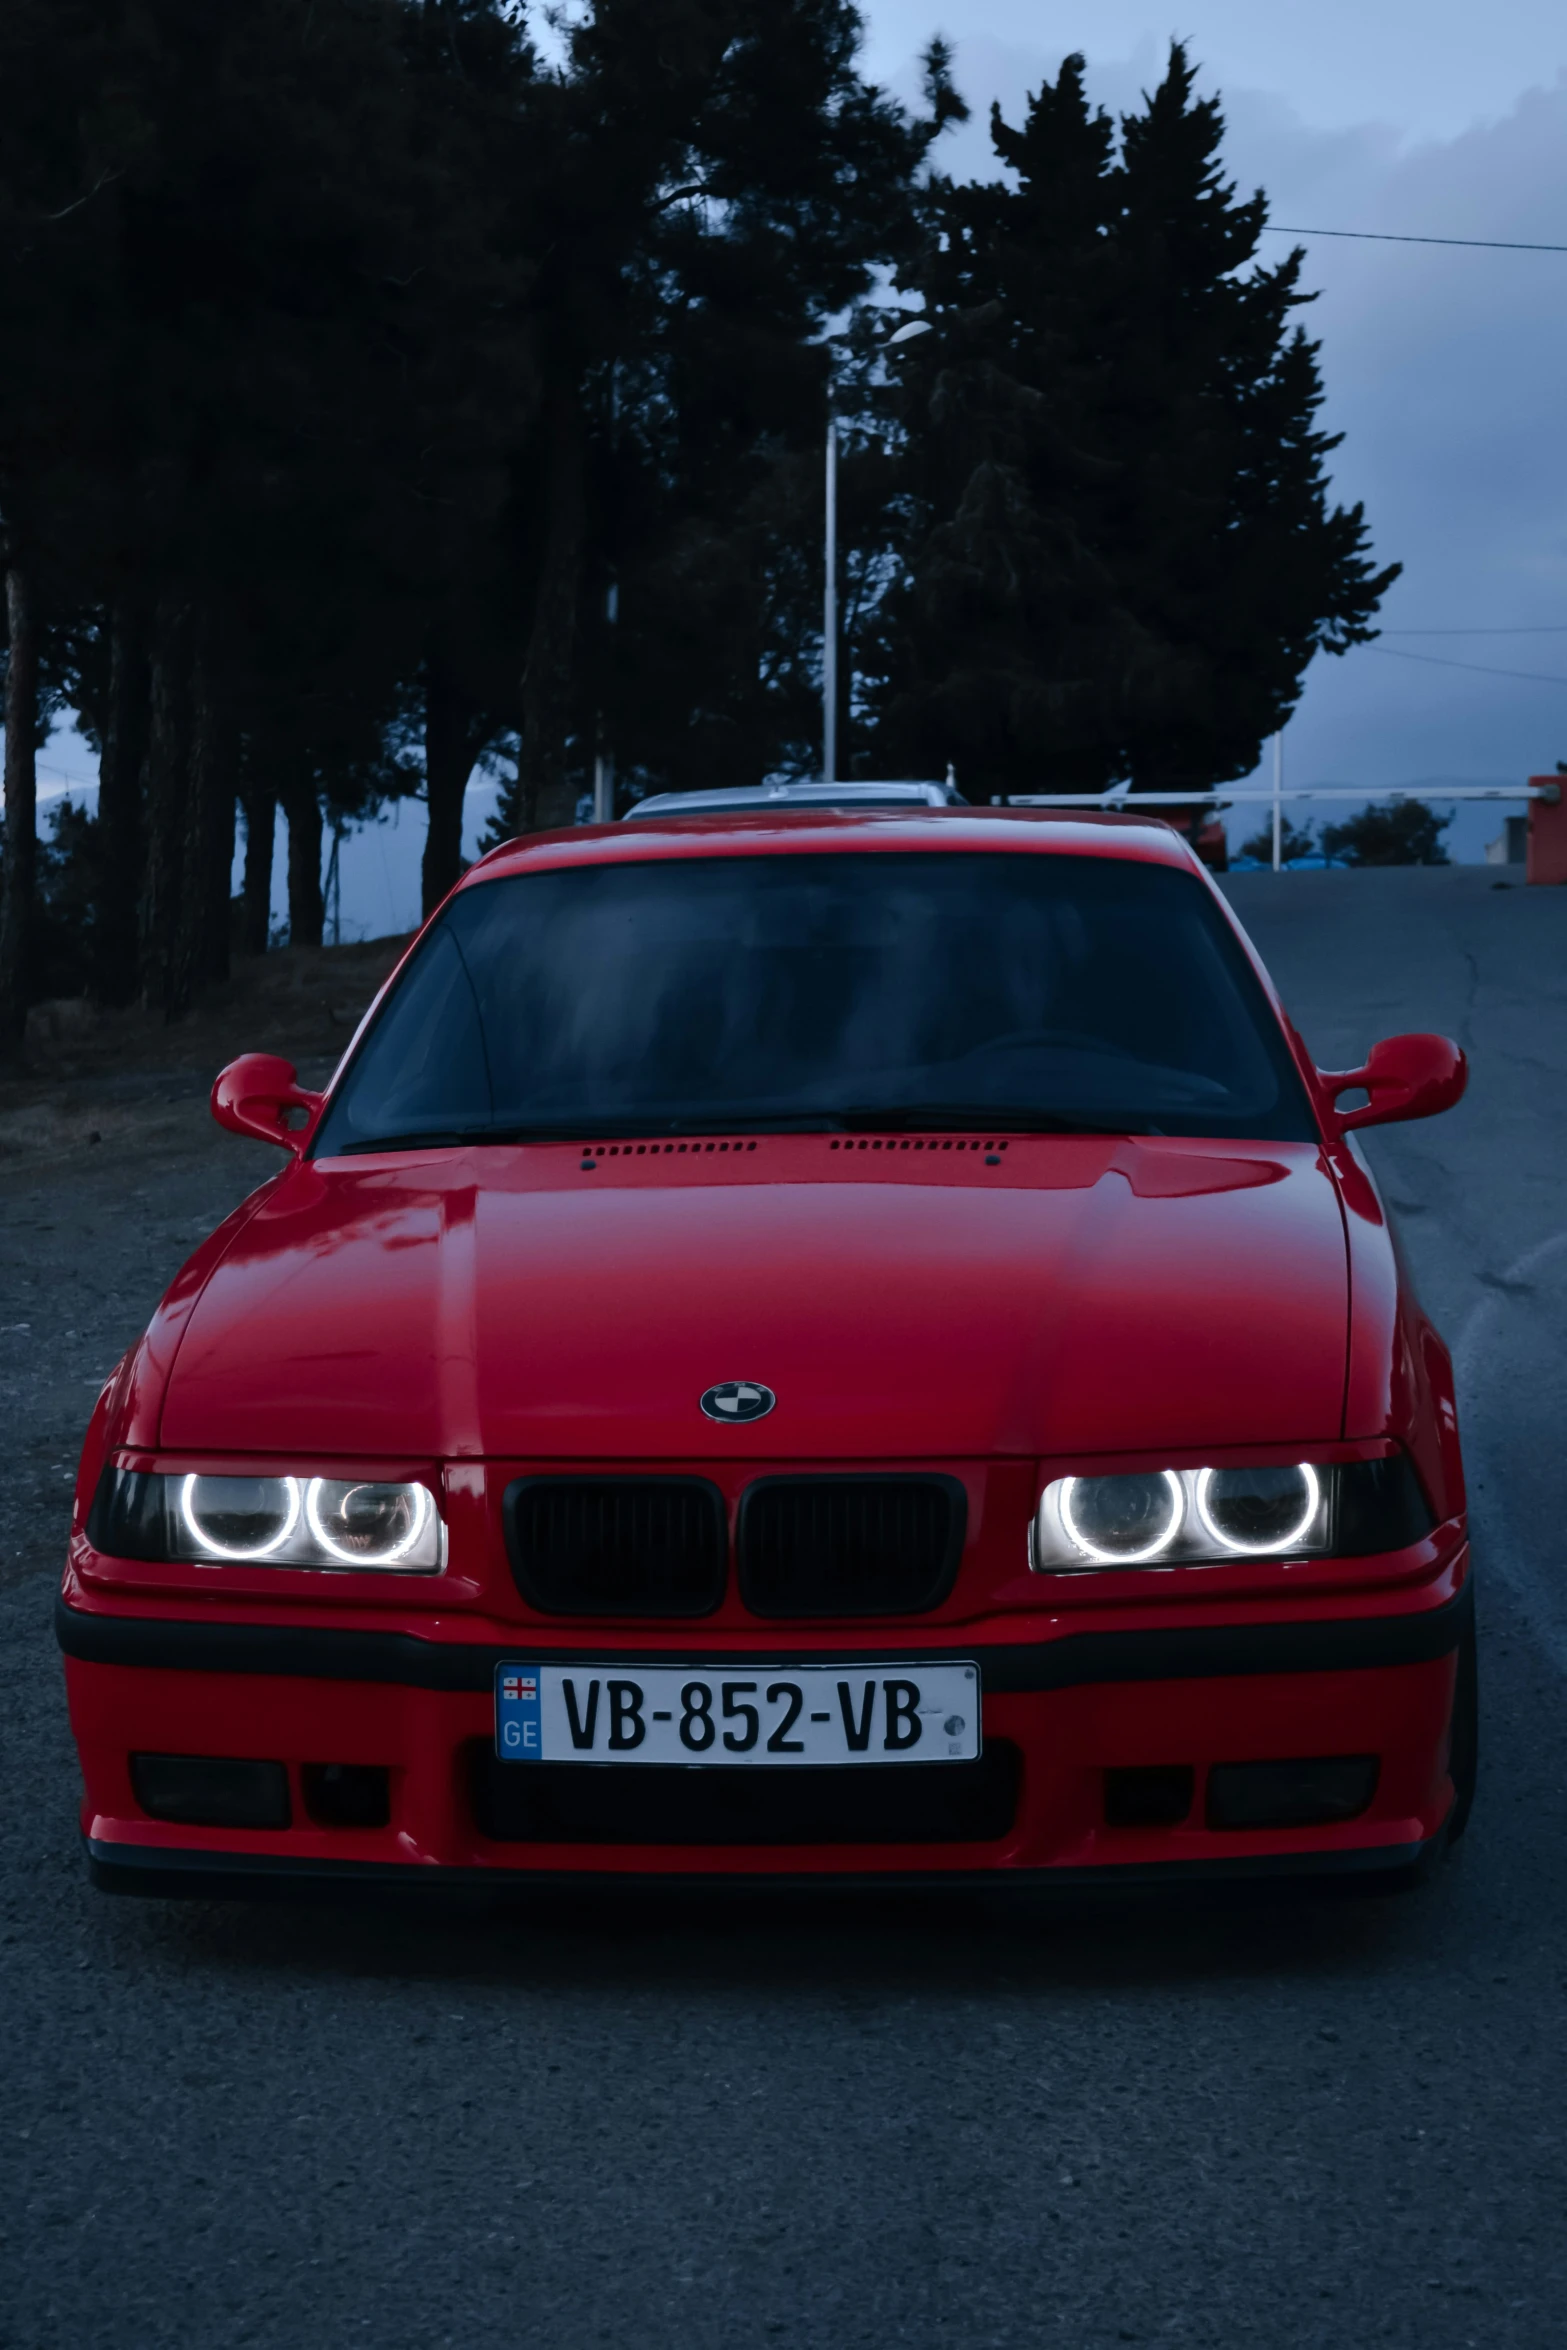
x: 1286, y: 2123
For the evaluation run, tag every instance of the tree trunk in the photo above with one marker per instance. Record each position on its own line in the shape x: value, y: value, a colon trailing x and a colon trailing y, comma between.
x: 116, y: 975
x: 546, y: 793
x: 260, y: 805
x: 448, y: 762
x: 18, y: 894
x: 219, y: 937
x: 168, y: 780
x: 203, y: 956
x: 306, y: 906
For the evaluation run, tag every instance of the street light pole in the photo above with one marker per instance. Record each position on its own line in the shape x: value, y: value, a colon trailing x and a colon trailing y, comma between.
x: 1278, y: 799
x: 915, y: 326
x: 830, y: 613
x: 603, y: 760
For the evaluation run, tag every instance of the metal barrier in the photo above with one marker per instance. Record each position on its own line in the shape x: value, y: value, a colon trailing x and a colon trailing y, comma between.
x: 1547, y: 851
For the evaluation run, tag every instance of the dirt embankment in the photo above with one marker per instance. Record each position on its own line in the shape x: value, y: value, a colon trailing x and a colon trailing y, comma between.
x: 126, y: 1080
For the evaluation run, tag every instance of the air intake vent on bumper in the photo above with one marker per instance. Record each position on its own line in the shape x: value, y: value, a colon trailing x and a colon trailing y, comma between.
x: 617, y: 1546
x: 850, y: 1546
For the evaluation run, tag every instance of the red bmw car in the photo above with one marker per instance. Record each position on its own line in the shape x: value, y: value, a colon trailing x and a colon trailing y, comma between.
x: 795, y: 1345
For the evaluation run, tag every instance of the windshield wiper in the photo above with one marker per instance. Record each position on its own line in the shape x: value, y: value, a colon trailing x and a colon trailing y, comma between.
x: 455, y: 1138
x: 976, y: 1118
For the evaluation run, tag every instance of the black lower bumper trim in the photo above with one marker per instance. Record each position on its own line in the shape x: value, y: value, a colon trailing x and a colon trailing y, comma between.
x: 666, y: 1803
x: 1075, y: 1659
x: 169, y: 1874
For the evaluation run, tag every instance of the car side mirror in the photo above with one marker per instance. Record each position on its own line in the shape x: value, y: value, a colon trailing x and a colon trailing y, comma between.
x: 1406, y: 1077
x: 255, y: 1094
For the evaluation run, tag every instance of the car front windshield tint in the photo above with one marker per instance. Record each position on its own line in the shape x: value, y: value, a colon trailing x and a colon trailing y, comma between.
x: 822, y: 990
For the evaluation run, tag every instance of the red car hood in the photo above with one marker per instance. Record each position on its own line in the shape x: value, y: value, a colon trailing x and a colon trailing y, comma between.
x: 1048, y: 1295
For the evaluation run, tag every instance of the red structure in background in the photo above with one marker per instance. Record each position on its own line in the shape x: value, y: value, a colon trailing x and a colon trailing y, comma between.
x: 1547, y: 831
x: 1199, y: 825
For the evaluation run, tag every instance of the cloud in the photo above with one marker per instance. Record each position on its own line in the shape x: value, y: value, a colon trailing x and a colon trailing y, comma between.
x: 1434, y: 67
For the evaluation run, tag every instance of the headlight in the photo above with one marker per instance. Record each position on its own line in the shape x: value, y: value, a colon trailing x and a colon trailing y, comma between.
x: 246, y: 1518
x: 1121, y: 1521
x: 331, y: 1522
x: 1196, y: 1517
x: 369, y: 1525
x: 1259, y: 1511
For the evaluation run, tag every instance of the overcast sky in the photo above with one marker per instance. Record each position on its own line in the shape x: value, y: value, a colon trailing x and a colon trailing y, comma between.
x: 1445, y: 370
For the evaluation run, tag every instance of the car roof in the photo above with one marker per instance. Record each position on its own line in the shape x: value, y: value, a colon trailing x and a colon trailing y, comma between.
x: 797, y: 830
x: 751, y: 799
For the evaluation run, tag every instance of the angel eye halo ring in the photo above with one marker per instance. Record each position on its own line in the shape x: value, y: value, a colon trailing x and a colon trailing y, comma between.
x: 421, y: 1509
x: 1250, y: 1542
x: 208, y: 1544
x: 1122, y: 1558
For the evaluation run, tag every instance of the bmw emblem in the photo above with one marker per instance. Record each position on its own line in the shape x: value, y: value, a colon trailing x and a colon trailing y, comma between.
x: 738, y: 1399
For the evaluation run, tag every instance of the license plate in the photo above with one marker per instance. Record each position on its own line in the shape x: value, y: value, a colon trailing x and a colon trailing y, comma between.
x: 787, y: 1715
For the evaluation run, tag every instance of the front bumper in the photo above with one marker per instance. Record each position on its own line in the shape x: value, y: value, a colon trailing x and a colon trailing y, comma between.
x: 1074, y: 1708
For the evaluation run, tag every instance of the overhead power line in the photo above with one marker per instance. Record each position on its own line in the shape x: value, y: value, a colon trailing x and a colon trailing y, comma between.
x: 1380, y: 236
x: 1480, y: 668
x: 1526, y: 628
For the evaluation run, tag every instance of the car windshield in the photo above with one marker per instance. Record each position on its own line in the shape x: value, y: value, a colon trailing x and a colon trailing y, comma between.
x: 822, y: 990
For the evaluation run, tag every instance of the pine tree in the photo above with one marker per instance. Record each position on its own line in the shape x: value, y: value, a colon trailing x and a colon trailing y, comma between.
x: 755, y: 185
x: 56, y: 301
x: 810, y: 176
x: 1406, y: 833
x: 268, y: 351
x: 1122, y: 555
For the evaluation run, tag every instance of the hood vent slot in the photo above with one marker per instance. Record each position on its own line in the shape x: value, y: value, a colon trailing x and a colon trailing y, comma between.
x: 697, y: 1147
